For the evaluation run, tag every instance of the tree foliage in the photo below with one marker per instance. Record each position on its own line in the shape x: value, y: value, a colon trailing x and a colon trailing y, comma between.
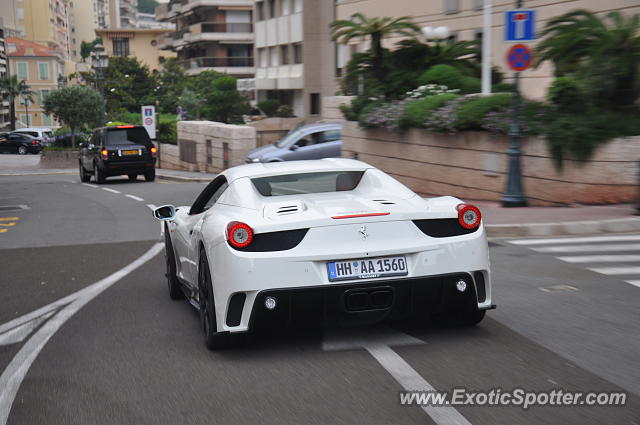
x: 75, y: 107
x: 11, y: 89
x: 86, y: 47
x: 128, y: 84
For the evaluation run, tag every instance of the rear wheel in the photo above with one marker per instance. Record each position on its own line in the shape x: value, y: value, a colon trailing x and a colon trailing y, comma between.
x: 150, y: 175
x: 98, y: 174
x: 133, y: 177
x: 175, y: 289
x: 214, y: 340
x: 84, y: 176
x: 22, y: 150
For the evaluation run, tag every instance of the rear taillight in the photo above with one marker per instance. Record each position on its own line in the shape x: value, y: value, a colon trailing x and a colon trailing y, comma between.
x: 239, y: 234
x: 34, y: 142
x: 104, y: 153
x: 154, y: 151
x: 468, y: 216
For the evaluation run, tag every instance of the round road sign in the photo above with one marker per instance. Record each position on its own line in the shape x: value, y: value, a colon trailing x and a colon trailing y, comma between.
x: 519, y: 57
x: 148, y: 121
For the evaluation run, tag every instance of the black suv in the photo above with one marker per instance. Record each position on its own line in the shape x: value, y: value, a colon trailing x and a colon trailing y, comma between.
x: 118, y: 150
x: 19, y: 143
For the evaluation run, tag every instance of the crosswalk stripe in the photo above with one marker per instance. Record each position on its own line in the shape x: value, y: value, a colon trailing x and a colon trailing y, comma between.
x: 634, y: 282
x: 601, y: 258
x: 616, y: 270
x: 590, y: 248
x: 587, y: 239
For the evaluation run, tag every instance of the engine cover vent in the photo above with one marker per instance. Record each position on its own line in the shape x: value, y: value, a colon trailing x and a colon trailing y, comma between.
x: 384, y: 202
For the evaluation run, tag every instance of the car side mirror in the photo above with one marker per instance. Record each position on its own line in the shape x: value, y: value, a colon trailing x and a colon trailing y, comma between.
x: 294, y: 147
x: 165, y: 213
x: 81, y: 145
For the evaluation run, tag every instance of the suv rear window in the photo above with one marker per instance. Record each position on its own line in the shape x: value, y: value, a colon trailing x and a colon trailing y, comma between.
x: 127, y: 136
x: 30, y: 133
x: 303, y: 183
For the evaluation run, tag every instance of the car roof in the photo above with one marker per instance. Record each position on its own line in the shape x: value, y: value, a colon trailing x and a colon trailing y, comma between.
x: 24, y: 135
x: 30, y: 129
x: 291, y: 167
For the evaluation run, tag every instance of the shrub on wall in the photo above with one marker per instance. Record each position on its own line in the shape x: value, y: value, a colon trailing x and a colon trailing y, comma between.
x: 446, y: 75
x: 471, y: 113
x: 417, y: 112
x: 268, y: 107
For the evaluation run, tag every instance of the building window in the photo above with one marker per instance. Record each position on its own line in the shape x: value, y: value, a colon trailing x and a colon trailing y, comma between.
x: 46, y: 120
x: 271, y: 4
x: 26, y: 119
x: 286, y: 7
x: 263, y: 59
x: 42, y: 95
x: 23, y: 70
x: 478, y: 4
x: 451, y: 6
x: 121, y: 47
x: 43, y: 70
x: 260, y: 10
x: 297, y: 53
x: 297, y: 6
x: 315, y: 103
x: 284, y: 54
x: 273, y: 53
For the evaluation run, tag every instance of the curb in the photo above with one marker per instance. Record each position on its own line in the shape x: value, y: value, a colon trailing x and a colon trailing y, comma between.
x: 618, y: 225
x: 182, y: 179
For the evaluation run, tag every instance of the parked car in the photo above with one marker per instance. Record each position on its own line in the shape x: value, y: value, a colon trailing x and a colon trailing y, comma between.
x: 313, y: 141
x: 323, y: 243
x: 20, y: 144
x: 119, y: 150
x: 44, y: 135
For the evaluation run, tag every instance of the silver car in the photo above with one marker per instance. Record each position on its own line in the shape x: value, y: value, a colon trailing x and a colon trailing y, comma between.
x: 314, y: 141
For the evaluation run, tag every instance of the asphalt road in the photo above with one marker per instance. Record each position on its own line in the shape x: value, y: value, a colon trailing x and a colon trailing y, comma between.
x: 130, y: 355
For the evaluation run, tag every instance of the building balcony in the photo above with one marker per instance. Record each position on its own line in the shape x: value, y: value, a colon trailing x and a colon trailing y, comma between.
x: 238, y: 65
x: 187, y: 5
x: 162, y: 11
x: 221, y: 31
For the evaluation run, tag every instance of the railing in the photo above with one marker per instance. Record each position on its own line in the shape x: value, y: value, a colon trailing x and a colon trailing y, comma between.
x: 179, y: 34
x: 217, y: 62
x: 227, y: 27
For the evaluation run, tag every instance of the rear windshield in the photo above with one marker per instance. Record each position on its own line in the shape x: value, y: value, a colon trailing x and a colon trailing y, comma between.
x: 298, y: 184
x: 30, y: 133
x: 127, y: 136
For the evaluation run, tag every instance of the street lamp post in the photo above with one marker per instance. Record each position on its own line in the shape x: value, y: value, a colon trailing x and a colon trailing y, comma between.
x: 99, y: 63
x: 513, y: 195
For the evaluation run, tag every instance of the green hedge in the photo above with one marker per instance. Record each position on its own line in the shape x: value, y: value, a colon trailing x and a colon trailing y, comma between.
x: 415, y: 113
x: 471, y: 114
x: 445, y: 75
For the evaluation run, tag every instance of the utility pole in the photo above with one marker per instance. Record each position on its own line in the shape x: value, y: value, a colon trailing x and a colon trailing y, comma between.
x: 486, y: 48
x: 513, y: 195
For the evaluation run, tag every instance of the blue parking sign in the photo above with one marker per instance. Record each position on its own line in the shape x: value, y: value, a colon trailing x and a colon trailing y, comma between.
x: 520, y: 25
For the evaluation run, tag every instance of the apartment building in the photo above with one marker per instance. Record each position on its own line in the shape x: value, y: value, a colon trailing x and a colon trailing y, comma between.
x: 210, y: 35
x: 135, y: 42
x: 9, y: 18
x: 295, y: 54
x: 85, y: 16
x: 39, y: 66
x: 42, y: 21
x: 4, y: 68
x: 122, y: 13
x: 463, y: 18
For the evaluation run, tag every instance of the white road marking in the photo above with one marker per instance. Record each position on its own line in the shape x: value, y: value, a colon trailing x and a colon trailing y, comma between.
x: 634, y: 282
x: 134, y: 197
x: 601, y: 258
x: 111, y: 190
x: 17, y: 369
x: 377, y: 341
x: 90, y: 185
x: 19, y: 333
x: 590, y: 248
x: 587, y: 239
x: 616, y: 270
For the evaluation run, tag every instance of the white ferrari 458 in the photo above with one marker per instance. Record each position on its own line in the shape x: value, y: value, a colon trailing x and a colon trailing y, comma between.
x: 325, y: 242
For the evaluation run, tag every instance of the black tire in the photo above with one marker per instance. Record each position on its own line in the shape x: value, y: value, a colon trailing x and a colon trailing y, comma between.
x: 474, y: 317
x: 84, y: 176
x: 150, y: 175
x: 213, y: 340
x: 22, y: 150
x: 98, y: 174
x: 175, y: 288
x: 133, y: 177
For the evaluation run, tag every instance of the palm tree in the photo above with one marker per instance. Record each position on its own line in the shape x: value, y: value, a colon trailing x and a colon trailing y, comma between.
x: 604, y: 51
x: 359, y: 26
x: 12, y: 88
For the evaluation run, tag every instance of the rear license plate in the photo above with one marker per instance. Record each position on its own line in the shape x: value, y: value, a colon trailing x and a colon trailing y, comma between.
x: 367, y: 268
x: 131, y: 152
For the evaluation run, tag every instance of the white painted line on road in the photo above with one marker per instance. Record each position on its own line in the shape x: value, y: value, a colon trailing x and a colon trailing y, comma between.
x: 616, y: 270
x: 111, y: 190
x: 134, y: 197
x: 601, y: 259
x: 19, y: 333
x: 17, y: 369
x: 90, y: 185
x: 634, y: 282
x: 377, y: 342
x: 590, y: 248
x: 588, y: 239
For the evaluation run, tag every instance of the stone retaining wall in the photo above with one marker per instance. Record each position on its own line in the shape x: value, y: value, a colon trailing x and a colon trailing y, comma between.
x: 270, y: 130
x: 473, y: 165
x: 59, y: 159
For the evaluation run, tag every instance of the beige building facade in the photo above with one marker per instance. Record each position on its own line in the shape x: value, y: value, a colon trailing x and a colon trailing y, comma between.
x: 134, y: 42
x: 45, y: 22
x: 464, y: 20
x: 122, y: 13
x: 40, y: 67
x: 295, y: 54
x: 85, y: 16
x: 214, y: 35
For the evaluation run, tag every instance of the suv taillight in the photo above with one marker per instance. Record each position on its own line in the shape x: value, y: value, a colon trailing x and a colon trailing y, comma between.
x: 104, y: 153
x: 154, y: 151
